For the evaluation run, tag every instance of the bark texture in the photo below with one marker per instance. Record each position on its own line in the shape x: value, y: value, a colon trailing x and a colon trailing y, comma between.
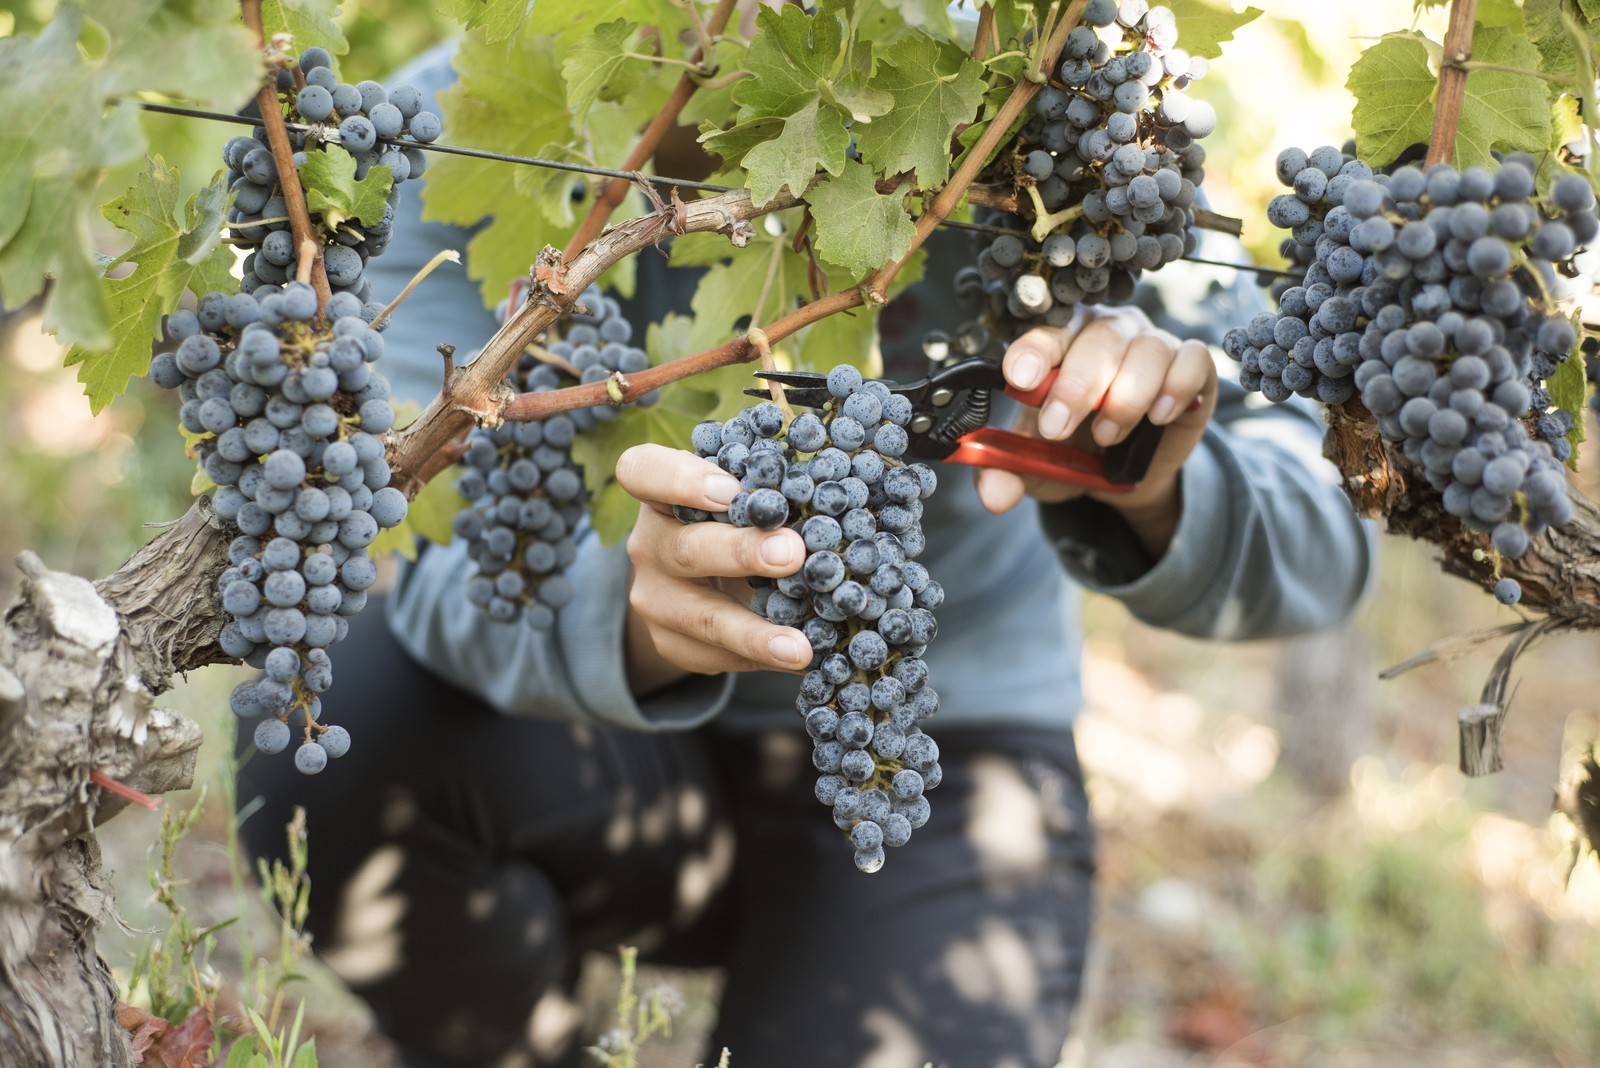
x: 80, y: 667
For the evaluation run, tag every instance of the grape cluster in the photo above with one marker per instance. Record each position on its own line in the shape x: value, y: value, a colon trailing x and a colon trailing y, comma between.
x: 1426, y: 292
x: 287, y: 415
x: 1111, y: 160
x: 525, y: 495
x: 365, y: 120
x: 861, y: 598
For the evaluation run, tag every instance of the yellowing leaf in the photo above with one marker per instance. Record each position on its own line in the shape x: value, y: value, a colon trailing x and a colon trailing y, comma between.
x: 1205, y: 26
x: 1500, y: 109
x: 429, y: 517
x: 1394, y: 89
x: 309, y: 22
x: 334, y: 192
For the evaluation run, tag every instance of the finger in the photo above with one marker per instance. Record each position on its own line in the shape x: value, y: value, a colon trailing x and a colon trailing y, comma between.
x: 1191, y: 378
x: 1029, y: 358
x: 664, y: 477
x: 714, y: 550
x: 1135, y: 388
x: 738, y: 639
x: 1088, y: 365
x: 999, y: 491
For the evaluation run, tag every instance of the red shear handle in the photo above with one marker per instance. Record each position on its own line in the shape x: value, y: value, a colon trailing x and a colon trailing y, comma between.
x: 1022, y: 455
x: 1116, y: 470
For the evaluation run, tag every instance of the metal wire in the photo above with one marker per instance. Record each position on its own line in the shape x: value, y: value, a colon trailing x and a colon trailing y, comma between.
x: 606, y: 172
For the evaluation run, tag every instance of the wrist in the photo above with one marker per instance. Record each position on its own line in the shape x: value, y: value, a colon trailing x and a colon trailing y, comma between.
x: 1152, y: 511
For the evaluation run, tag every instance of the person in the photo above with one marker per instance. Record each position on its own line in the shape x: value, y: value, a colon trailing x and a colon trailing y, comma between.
x: 638, y: 775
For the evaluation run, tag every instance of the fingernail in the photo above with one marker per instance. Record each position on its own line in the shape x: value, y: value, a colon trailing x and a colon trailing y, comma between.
x: 1053, y: 420
x: 775, y: 552
x: 1105, y: 431
x: 721, y: 488
x: 1162, y: 410
x: 1028, y: 371
x: 786, y: 648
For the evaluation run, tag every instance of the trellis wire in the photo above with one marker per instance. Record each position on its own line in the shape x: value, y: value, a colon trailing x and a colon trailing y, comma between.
x: 607, y: 172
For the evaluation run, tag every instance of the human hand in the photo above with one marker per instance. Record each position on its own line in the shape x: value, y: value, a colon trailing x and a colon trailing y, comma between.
x: 687, y: 598
x: 1138, y: 371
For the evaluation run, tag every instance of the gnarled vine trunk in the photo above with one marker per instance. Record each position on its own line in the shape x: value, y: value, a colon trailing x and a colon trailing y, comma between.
x: 80, y: 667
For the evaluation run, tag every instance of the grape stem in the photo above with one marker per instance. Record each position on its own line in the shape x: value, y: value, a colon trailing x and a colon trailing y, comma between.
x: 1452, y: 81
x: 288, y: 176
x: 758, y: 338
x: 448, y: 255
x: 1044, y: 223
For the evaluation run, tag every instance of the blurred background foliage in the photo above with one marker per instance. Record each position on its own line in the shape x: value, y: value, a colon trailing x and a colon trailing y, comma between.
x: 1293, y: 871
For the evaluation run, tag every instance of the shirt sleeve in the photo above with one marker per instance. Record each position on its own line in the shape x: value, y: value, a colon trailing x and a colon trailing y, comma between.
x: 1267, y: 544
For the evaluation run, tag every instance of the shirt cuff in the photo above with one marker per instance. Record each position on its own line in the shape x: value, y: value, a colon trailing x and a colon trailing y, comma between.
x: 1101, y: 553
x: 575, y: 671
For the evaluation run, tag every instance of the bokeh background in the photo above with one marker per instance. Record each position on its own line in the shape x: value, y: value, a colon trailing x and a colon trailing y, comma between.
x: 1292, y: 870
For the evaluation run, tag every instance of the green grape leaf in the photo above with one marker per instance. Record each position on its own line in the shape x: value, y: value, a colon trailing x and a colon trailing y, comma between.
x: 1548, y: 33
x: 334, y: 192
x: 597, y: 63
x: 1590, y: 8
x: 571, y: 21
x: 309, y: 22
x: 171, y: 253
x: 83, y: 125
x: 1568, y: 390
x: 1501, y: 109
x: 859, y: 228
x: 667, y: 422
x: 1501, y: 14
x: 886, y: 22
x: 734, y: 144
x: 812, y: 138
x: 709, y: 105
x: 510, y: 95
x: 498, y: 19
x: 1393, y: 88
x: 1204, y: 27
x: 935, y: 88
x: 429, y: 517
x: 791, y: 57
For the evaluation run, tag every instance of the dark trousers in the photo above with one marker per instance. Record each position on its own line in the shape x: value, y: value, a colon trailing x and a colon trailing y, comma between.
x: 462, y: 862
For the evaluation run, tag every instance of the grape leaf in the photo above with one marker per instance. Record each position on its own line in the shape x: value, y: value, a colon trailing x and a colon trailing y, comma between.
x: 82, y: 125
x: 1501, y: 109
x: 735, y: 143
x: 172, y: 254
x: 859, y: 228
x: 885, y: 22
x: 334, y: 192
x: 510, y: 95
x: 1204, y: 27
x: 812, y: 138
x: 1504, y: 14
x: 1590, y: 8
x: 309, y: 22
x: 596, y: 63
x: 935, y: 88
x: 499, y: 19
x: 571, y: 21
x: 790, y: 56
x: 1393, y: 88
x: 429, y: 517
